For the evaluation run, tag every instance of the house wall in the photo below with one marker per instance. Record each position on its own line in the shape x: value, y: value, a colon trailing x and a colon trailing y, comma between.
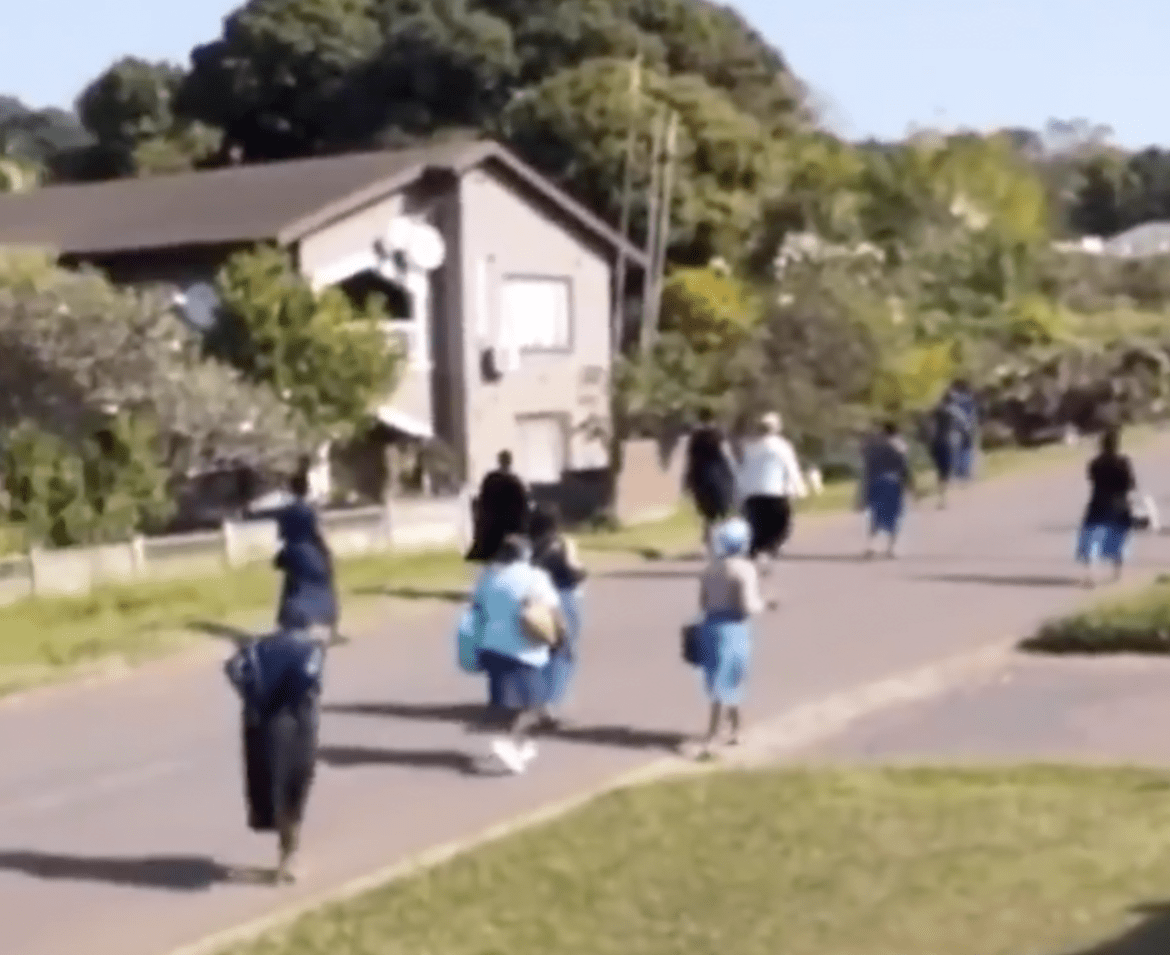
x: 506, y: 233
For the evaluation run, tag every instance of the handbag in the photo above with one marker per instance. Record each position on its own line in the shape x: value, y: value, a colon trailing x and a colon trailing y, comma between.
x: 541, y: 623
x: 467, y: 639
x: 692, y: 644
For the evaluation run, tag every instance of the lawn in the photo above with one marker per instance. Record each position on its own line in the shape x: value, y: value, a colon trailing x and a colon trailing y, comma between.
x: 1134, y: 623
x: 1030, y: 861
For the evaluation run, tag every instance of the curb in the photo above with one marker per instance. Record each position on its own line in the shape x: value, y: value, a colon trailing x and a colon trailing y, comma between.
x: 795, y: 730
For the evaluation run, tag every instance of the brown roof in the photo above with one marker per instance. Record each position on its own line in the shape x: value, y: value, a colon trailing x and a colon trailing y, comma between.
x: 276, y: 201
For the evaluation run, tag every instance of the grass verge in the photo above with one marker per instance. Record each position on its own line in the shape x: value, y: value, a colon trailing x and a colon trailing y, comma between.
x: 1135, y: 623
x: 1030, y: 861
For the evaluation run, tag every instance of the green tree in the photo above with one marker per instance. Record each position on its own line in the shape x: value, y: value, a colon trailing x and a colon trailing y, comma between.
x: 130, y: 111
x: 574, y: 127
x: 712, y: 309
x: 324, y: 357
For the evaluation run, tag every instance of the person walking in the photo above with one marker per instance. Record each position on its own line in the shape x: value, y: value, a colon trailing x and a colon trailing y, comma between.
x: 729, y: 597
x: 308, y: 597
x: 1108, y: 518
x: 769, y: 479
x: 967, y: 452
x: 278, y: 680
x: 886, y: 478
x: 517, y: 619
x: 949, y: 434
x: 501, y: 509
x: 556, y: 553
x: 710, y: 475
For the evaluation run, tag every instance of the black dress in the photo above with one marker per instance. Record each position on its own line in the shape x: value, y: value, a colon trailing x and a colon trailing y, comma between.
x: 501, y: 509
x: 709, y: 475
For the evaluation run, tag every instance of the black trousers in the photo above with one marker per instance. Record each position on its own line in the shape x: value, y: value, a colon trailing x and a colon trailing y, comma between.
x: 770, y: 518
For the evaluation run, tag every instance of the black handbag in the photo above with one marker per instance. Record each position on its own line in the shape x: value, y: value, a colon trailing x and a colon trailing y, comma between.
x: 692, y: 635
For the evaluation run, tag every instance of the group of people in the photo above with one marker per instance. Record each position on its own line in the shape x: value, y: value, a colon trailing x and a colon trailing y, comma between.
x: 522, y: 627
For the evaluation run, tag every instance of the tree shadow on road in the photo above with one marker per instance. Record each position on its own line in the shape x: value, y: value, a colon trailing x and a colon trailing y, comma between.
x: 1150, y: 937
x: 468, y: 714
x: 1003, y: 580
x: 350, y: 757
x: 170, y: 873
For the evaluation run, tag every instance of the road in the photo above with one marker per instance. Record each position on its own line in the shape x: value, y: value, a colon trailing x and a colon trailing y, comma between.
x: 121, y: 821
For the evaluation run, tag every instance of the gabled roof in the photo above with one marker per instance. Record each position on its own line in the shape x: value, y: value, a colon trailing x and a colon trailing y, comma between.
x: 1142, y: 241
x: 261, y: 202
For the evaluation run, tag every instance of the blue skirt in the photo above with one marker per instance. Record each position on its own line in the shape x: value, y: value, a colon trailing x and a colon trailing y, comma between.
x: 563, y: 662
x: 886, y: 499
x: 513, y: 684
x: 1102, y: 542
x: 725, y: 657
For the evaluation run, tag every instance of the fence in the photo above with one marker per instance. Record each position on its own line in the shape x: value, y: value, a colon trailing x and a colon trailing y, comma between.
x: 406, y: 525
x: 648, y: 488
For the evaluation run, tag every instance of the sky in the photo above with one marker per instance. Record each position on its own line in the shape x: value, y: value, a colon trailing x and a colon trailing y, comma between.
x: 875, y: 68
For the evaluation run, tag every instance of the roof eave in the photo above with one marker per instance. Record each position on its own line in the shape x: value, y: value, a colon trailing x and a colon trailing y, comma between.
x: 340, y: 208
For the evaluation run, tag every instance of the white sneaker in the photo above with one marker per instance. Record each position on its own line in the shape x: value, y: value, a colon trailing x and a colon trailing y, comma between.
x: 510, y: 755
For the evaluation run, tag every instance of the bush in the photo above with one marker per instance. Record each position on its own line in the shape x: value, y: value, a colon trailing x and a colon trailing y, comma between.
x: 1136, y: 624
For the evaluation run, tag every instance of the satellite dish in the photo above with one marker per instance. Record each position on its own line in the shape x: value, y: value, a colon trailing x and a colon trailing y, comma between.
x: 199, y: 304
x: 397, y: 236
x: 425, y: 248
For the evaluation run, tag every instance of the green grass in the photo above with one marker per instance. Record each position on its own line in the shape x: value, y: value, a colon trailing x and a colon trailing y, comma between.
x: 1134, y: 623
x: 1030, y: 861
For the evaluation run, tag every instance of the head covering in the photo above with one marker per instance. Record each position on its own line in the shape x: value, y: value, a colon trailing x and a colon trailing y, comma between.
x: 297, y: 522
x: 731, y: 538
x: 515, y: 548
x: 771, y: 423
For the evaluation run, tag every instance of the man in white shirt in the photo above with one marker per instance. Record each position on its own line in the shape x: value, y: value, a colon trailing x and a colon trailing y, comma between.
x: 769, y: 479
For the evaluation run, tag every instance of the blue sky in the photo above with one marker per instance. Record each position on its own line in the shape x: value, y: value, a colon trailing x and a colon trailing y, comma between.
x: 877, y: 66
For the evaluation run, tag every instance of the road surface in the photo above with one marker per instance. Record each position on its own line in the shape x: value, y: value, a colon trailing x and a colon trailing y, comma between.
x: 121, y: 818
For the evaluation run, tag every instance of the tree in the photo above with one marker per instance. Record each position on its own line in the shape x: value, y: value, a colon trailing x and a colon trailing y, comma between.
x: 710, y: 308
x: 574, y: 128
x: 130, y: 111
x: 321, y: 355
x: 273, y: 82
x: 76, y: 352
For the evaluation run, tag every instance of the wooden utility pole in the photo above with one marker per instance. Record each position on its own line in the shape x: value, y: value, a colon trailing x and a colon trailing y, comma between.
x: 661, y: 231
x: 617, y: 316
x: 653, y: 223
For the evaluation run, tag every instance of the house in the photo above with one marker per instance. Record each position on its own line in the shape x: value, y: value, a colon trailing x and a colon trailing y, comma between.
x: 1145, y: 241
x: 504, y: 284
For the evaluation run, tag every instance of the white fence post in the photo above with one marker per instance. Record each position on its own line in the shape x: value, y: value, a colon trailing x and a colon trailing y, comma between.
x: 138, y: 555
x: 229, y: 542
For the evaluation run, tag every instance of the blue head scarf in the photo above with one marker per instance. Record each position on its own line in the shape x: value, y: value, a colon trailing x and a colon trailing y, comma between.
x: 731, y: 538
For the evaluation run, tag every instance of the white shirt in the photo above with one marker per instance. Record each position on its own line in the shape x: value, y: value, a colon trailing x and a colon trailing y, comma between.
x: 770, y: 469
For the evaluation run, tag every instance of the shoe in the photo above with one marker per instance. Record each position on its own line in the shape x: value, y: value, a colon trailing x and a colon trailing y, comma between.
x: 510, y: 755
x: 528, y: 752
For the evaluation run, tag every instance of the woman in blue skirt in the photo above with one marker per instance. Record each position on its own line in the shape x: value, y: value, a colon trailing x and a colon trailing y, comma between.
x: 886, y: 479
x: 729, y: 596
x: 1108, y: 517
x: 556, y: 554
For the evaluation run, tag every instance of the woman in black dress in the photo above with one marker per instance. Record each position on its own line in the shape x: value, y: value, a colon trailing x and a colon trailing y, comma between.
x: 1108, y: 518
x: 710, y: 474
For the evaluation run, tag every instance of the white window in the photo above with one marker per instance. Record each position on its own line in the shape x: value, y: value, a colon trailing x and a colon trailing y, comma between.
x: 543, y: 448
x: 537, y: 313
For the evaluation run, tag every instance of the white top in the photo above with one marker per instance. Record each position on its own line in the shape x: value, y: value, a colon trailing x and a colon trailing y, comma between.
x: 770, y: 468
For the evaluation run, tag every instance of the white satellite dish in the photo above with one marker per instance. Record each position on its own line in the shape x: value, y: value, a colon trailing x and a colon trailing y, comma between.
x: 425, y: 248
x: 397, y: 235
x: 199, y: 304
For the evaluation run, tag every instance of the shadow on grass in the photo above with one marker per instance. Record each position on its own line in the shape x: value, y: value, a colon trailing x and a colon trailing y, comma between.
x: 1091, y: 643
x: 350, y: 757
x: 1150, y: 937
x: 444, y: 594
x: 171, y: 873
x: 221, y: 631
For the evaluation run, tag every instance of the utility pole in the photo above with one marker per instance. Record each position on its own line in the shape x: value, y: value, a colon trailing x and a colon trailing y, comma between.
x: 618, y: 314
x: 661, y: 234
x: 653, y: 224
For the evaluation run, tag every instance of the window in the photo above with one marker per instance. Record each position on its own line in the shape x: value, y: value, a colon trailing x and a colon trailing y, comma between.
x: 542, y: 448
x: 536, y: 313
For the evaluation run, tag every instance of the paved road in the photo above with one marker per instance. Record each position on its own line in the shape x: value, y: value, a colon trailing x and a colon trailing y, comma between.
x: 1114, y: 710
x: 120, y: 805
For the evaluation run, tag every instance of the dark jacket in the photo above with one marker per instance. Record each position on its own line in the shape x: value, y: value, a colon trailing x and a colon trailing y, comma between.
x: 308, y: 596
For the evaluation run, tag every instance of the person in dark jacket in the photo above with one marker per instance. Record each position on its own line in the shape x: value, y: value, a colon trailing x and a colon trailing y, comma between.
x: 710, y: 474
x: 308, y: 598
x: 501, y: 510
x: 1108, y: 517
x: 950, y: 435
x: 278, y: 679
